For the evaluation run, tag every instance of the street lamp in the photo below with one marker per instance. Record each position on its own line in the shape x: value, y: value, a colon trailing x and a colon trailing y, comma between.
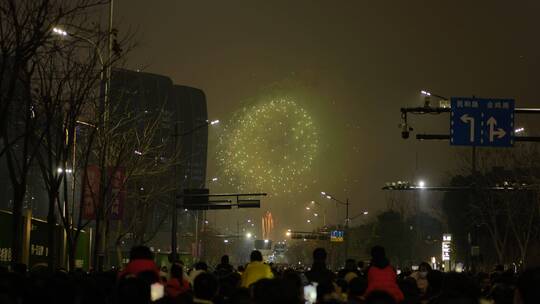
x: 249, y: 235
x: 347, y: 219
x: 427, y: 94
x: 363, y: 213
x: 174, y: 215
x: 427, y: 98
x: 421, y: 184
x: 59, y: 31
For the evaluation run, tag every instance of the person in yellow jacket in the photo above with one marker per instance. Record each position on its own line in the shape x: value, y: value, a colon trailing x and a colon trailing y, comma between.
x: 255, y: 270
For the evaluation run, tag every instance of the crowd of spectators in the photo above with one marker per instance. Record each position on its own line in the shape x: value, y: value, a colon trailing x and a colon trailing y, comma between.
x: 141, y: 281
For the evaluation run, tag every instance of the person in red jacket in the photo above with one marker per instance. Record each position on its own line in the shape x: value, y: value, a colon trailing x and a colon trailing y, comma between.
x: 382, y: 276
x: 177, y: 284
x: 141, y: 259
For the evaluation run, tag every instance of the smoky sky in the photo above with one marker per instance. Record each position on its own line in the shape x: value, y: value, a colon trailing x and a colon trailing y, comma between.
x: 352, y: 65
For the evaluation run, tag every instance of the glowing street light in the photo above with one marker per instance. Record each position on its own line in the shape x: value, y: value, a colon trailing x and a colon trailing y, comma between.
x: 59, y: 31
x: 425, y: 93
x: 288, y: 233
x: 365, y: 213
x: 214, y: 122
x: 226, y: 241
x: 307, y: 208
x: 519, y: 130
x: 421, y: 184
x: 249, y: 235
x: 61, y: 170
x: 309, y: 221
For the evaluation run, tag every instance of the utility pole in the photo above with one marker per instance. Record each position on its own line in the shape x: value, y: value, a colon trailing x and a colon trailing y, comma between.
x: 346, y: 204
x: 347, y: 236
x: 174, y: 207
x: 174, y: 214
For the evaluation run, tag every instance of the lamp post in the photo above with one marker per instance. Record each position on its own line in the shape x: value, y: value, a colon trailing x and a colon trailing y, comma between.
x: 346, y: 204
x: 174, y: 215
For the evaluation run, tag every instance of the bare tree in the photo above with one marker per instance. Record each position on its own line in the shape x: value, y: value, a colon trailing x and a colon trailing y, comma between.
x: 24, y: 29
x: 69, y: 74
x: 509, y: 217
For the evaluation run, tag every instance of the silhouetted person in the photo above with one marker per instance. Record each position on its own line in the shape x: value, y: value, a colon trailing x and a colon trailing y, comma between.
x: 224, y: 268
x: 357, y: 288
x: 421, y: 277
x: 435, y: 280
x: 319, y: 272
x: 380, y: 297
x: 528, y: 287
x: 205, y: 288
x: 199, y: 268
x: 133, y: 290
x: 458, y: 288
x: 350, y: 266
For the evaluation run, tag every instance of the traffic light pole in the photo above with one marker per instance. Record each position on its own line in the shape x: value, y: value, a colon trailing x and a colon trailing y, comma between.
x: 174, y: 215
x: 347, y: 236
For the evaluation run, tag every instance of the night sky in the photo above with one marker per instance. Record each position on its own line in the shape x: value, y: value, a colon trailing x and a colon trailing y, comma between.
x: 351, y: 65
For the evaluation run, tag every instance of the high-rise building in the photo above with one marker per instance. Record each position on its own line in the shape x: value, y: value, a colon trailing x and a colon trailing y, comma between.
x: 187, y: 111
x: 190, y: 106
x: 186, y: 135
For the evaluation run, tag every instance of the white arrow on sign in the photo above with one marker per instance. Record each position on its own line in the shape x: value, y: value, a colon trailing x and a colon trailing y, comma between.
x: 500, y: 133
x: 470, y: 120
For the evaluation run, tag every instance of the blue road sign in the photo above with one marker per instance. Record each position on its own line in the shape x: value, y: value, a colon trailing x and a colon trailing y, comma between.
x: 337, y: 236
x: 482, y: 122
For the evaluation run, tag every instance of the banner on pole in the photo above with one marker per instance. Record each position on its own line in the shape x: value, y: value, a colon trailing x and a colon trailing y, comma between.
x: 90, y: 193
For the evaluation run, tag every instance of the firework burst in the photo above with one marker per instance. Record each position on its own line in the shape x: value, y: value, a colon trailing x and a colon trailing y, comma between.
x: 270, y: 147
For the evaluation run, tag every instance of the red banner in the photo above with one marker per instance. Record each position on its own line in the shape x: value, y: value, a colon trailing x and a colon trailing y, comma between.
x: 117, y: 193
x: 90, y: 193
